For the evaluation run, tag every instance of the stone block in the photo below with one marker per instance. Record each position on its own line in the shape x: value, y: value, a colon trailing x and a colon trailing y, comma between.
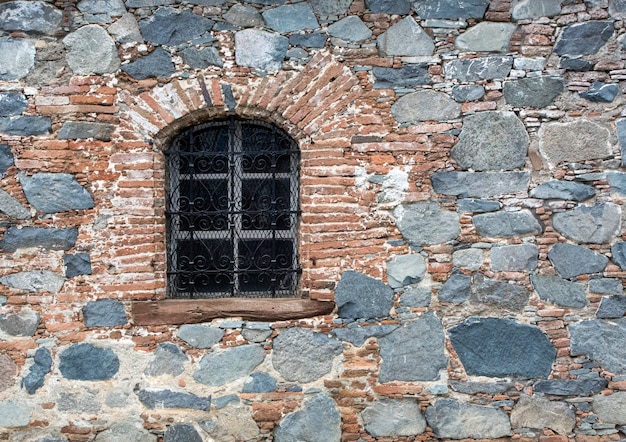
x: 514, y: 258
x: 498, y: 293
x: 584, y: 38
x: 12, y: 103
x: 168, y: 359
x: 597, y: 224
x: 559, y: 291
x: 35, y: 281
x: 425, y: 105
x: 86, y: 362
x: 532, y: 91
x: 452, y: 419
x: 564, y: 190
x: 24, y: 125
x: 126, y: 30
x: 600, y: 92
x: 450, y: 9
x: 317, y: 420
x: 77, y: 264
x: 540, y: 412
x: 17, y: 58
x: 156, y: 64
x: 480, y: 184
x: 571, y: 260
x: 91, y: 50
x: 393, y: 418
x: 27, y: 237
x: 426, y: 223
x: 14, y: 414
x: 405, y: 39
x: 171, y: 27
x: 611, y: 409
x: 8, y: 372
x: 350, y: 29
x: 570, y: 387
x: 358, y: 335
x: 525, y: 9
x: 405, y: 270
x: 12, y: 207
x: 360, y: 297
x: 602, y: 341
x: 30, y: 16
x: 74, y: 130
x: 42, y: 363
x: 181, y: 433
x: 259, y: 383
x: 200, y: 336
x: 507, y: 224
x: 457, y: 288
x: 476, y: 69
x: 55, y: 192
x: 158, y: 399
x: 612, y: 307
x: 6, y: 158
x: 219, y: 368
x: 260, y: 49
x: 486, y: 37
x: 291, y: 18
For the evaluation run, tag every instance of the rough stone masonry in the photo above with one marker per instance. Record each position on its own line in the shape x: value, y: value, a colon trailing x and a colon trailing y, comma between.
x: 462, y: 183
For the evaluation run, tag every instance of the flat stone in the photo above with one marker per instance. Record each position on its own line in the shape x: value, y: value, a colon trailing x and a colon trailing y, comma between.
x: 532, y: 91
x: 393, y: 417
x: 492, y: 140
x: 85, y: 362
x: 220, y: 367
x: 77, y: 264
x: 330, y: 7
x: 575, y: 64
x: 200, y: 336
x: 452, y: 419
x: 405, y: 270
x: 14, y: 414
x: 507, y: 224
x: 232, y: 424
x: 469, y: 92
x: 618, y: 253
x: 42, y: 363
x: 529, y: 64
x: 597, y: 224
x: 606, y: 286
x: 486, y: 37
x: 27, y: 237
x: 12, y: 207
x: 539, y: 412
x: 481, y: 68
x: 407, y: 76
x: 169, y: 359
x: 79, y: 402
x: 259, y: 383
x: 201, y: 58
x: 574, y: 142
x: 584, y: 38
x: 156, y: 64
x: 612, y: 307
x: 318, y: 420
x: 414, y: 351
x: 12, y: 103
x: 501, y: 348
x: 391, y: 7
x: 90, y: 50
x: 260, y: 49
x: 425, y: 105
x: 405, y: 39
x: 24, y: 323
x: 244, y: 16
x: 25, y: 125
x: 36, y: 281
x: 112, y: 8
x: 570, y: 387
x: 149, y: 3
x: 559, y: 291
x: 457, y: 288
x: 74, y: 130
x: 290, y: 18
x: 171, y: 27
x: 564, y: 190
x: 358, y: 335
x: 477, y: 206
x: 55, y: 192
x: 350, y: 28
x: 8, y: 372
x: 126, y: 30
x: 6, y: 158
x: 570, y: 260
x: 611, y: 409
x: 602, y: 341
x: 159, y: 399
x: 359, y: 297
x: 17, y: 57
x: 525, y: 9
x: 128, y: 431
x: 617, y: 8
x: 315, y: 40
x: 514, y: 258
x: 617, y: 181
x: 37, y: 17
x: 471, y: 259
x: 302, y: 355
x: 480, y: 184
x: 473, y: 387
x: 499, y: 293
x: 600, y: 92
x: 426, y: 223
x: 181, y: 433
x: 450, y: 9
x: 414, y: 297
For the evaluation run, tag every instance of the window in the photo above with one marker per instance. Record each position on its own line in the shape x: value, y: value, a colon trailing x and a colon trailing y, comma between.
x: 232, y: 211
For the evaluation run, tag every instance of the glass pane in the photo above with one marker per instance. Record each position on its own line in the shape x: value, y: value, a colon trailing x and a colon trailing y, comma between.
x: 265, y: 150
x: 204, y: 265
x: 265, y: 265
x: 266, y: 204
x: 203, y: 204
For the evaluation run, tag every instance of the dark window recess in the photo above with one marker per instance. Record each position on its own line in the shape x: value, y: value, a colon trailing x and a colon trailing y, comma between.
x: 232, y: 211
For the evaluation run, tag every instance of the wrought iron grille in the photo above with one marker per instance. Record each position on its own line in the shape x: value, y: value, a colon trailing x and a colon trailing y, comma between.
x: 232, y: 211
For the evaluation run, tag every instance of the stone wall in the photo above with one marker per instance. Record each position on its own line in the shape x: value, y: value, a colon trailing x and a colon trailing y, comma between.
x: 462, y: 183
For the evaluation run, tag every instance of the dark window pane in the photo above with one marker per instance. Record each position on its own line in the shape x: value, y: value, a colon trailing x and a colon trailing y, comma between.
x: 266, y: 204
x: 204, y: 266
x: 203, y: 204
x: 266, y: 265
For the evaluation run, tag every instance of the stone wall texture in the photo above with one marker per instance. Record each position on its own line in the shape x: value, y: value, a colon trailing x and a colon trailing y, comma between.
x: 462, y: 191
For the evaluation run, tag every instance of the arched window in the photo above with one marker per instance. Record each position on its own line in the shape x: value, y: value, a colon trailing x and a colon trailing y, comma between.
x: 232, y: 211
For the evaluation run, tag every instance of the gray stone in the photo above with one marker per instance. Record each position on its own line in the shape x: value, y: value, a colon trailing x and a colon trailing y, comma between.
x: 297, y: 54
x: 330, y: 7
x: 12, y: 103
x: 617, y: 181
x: 407, y: 76
x: 125, y: 431
x: 315, y: 40
x: 55, y: 192
x: 475, y: 69
x: 259, y: 383
x: 149, y: 3
x: 525, y: 9
x: 611, y: 409
x: 35, y: 281
x: 112, y: 8
x: 575, y: 64
x: 244, y: 16
x: 618, y: 253
x: 302, y: 355
x: 480, y: 184
x: 90, y: 50
x: 42, y: 363
x: 74, y: 130
x: 492, y: 140
x: 425, y: 105
x: 617, y: 8
x: 77, y: 264
x: 54, y: 439
x: 6, y: 158
x: 532, y: 91
x: 540, y: 412
x: 12, y: 207
x: 612, y: 307
x: 169, y: 359
x: 606, y: 286
x: 597, y: 224
x: 477, y: 206
x: 350, y: 29
x: 8, y: 372
x: 426, y: 223
x: 472, y: 387
x: 600, y: 92
x: 415, y: 297
x: 391, y: 7
x: 290, y: 18
x: 318, y: 420
x: 486, y: 37
x: 514, y: 258
x: 470, y: 92
x: 499, y: 293
x: 85, y: 362
x: 157, y: 399
x: 37, y: 17
x: 559, y: 291
x: 200, y: 336
x: 471, y: 259
x: 405, y: 270
x: 501, y: 348
x: 260, y: 49
x: 530, y: 64
x: 413, y: 352
x: 156, y: 64
x: 181, y: 433
x: 80, y: 402
x: 574, y: 142
x: 126, y: 29
x: 570, y: 260
x: 602, y: 341
x: 25, y: 125
x: 507, y: 224
x: 393, y: 417
x: 232, y: 424
x: 570, y: 387
x: 405, y: 39
x: 452, y: 419
x: 256, y: 332
x: 24, y: 323
x: 564, y: 190
x: 17, y: 57
x: 457, y: 288
x: 14, y: 414
x: 359, y: 296
x: 224, y: 401
x: 168, y: 26
x: 358, y: 335
x: 428, y: 9
x: 27, y: 237
x: 583, y: 38
x: 219, y: 368
x: 201, y: 58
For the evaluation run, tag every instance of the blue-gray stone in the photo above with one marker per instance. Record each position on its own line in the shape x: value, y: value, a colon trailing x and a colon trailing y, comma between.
x: 73, y: 130
x: 169, y: 359
x: 525, y: 9
x: 6, y: 158
x: 414, y: 297
x: 25, y: 125
x: 413, y: 352
x: 532, y: 91
x: 260, y: 49
x: 486, y: 37
x: 584, y: 38
x: 302, y: 355
x: 620, y: 126
x: 243, y: 16
x: 126, y: 30
x: 223, y: 401
x: 42, y: 363
x: 477, y: 206
x: 85, y: 362
x: 157, y: 399
x: 27, y: 237
x: 602, y: 341
x: 405, y: 270
x: 564, y: 190
x: 618, y: 252
x: 507, y: 224
x: 405, y: 39
x: 575, y: 64
x: 540, y: 412
x: 514, y: 258
x: 597, y: 224
x: 112, y: 8
x: 361, y: 297
x: 612, y: 307
x: 600, y: 92
x: 330, y: 7
x: 407, y: 76
x: 12, y: 207
x: 426, y: 223
x: 318, y: 420
x: 12, y: 103
x: 181, y: 433
x: 499, y: 293
x: 393, y: 417
x: 475, y: 69
x: 290, y: 18
x: 201, y: 58
x: 156, y: 64
x: 55, y: 192
x: 428, y: 9
x: 425, y: 105
x: 168, y: 26
x: 77, y: 264
x: 617, y: 181
x: 570, y: 387
x: 91, y: 50
x: 130, y: 430
x: 501, y: 348
x: 14, y: 414
x: 351, y: 29
x: 570, y: 260
x: 17, y: 58
x: 24, y: 323
x: 52, y: 439
x: 200, y: 336
x: 606, y: 286
x: 457, y: 288
x: 35, y: 281
x: 610, y: 409
x: 452, y: 419
x: 358, y: 335
x: 219, y: 368
x: 259, y: 383
x: 470, y: 92
x: 229, y: 98
x: 315, y: 40
x: 37, y: 17
x: 148, y: 3
x: 473, y: 387
x: 398, y: 7
x: 480, y: 184
x: 559, y: 291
